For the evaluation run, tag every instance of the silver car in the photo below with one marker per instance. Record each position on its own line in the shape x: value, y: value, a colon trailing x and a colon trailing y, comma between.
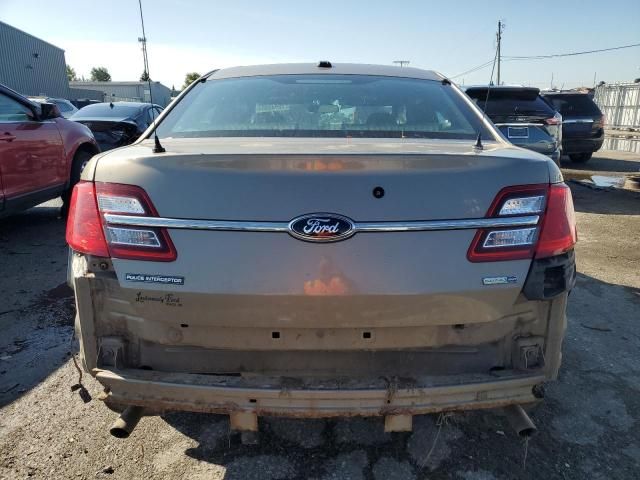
x: 65, y: 106
x: 318, y: 241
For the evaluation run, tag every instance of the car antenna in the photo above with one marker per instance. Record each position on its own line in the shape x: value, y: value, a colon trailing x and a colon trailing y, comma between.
x: 478, y: 145
x: 157, y: 147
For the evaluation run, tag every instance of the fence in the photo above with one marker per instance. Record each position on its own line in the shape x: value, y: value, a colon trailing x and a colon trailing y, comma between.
x: 620, y: 103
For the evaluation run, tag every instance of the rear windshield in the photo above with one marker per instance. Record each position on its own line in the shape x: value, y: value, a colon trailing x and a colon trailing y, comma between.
x: 323, y: 106
x: 105, y: 110
x: 511, y: 102
x: 574, y: 105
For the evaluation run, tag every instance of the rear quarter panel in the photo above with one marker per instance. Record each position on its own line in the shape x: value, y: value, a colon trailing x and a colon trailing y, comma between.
x: 74, y: 135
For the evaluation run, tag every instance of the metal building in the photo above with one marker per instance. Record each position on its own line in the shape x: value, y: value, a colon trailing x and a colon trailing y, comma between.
x: 31, y: 66
x: 126, y: 91
x: 620, y: 104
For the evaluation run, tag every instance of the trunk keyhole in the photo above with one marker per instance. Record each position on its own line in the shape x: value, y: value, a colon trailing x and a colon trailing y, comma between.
x: 378, y: 192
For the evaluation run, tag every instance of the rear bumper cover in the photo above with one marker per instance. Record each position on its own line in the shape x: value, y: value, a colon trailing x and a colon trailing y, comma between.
x: 160, y: 391
x: 581, y: 145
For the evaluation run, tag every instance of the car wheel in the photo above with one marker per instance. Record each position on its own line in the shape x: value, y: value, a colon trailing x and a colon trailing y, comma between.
x: 580, y: 157
x: 79, y: 162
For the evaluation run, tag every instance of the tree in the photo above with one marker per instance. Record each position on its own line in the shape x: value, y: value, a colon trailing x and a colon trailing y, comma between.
x: 100, y: 74
x: 71, y: 74
x: 144, y: 77
x: 190, y: 78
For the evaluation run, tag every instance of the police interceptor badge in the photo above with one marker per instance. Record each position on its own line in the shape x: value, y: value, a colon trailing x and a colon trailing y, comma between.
x: 146, y: 278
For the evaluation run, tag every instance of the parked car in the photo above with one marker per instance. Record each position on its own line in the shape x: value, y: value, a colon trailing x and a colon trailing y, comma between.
x: 321, y: 240
x: 41, y: 153
x: 523, y: 117
x: 117, y: 124
x: 582, y: 124
x: 65, y: 106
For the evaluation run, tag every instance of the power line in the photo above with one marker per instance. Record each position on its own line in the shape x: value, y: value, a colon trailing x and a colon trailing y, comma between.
x: 479, y: 67
x: 571, y: 54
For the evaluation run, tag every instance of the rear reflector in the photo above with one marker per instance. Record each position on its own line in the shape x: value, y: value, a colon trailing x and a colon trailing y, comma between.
x: 84, y: 227
x: 89, y: 233
x: 133, y: 237
x: 125, y: 205
x: 522, y: 206
x: 510, y: 238
x: 554, y: 234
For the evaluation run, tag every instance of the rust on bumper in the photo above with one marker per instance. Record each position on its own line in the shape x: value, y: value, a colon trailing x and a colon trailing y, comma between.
x: 219, y: 394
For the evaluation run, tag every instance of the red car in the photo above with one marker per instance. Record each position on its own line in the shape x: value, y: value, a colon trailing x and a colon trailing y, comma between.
x: 41, y: 153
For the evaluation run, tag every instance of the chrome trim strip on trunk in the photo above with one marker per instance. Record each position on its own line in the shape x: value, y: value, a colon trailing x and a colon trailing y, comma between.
x: 249, y: 226
x: 578, y: 120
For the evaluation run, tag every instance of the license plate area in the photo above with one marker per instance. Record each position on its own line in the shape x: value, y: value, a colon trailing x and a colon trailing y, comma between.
x: 518, y: 132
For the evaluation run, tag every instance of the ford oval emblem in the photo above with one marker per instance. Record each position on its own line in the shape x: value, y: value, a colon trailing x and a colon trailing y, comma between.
x: 321, y: 227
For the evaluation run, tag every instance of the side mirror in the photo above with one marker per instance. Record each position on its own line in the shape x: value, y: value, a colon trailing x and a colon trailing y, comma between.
x: 49, y: 111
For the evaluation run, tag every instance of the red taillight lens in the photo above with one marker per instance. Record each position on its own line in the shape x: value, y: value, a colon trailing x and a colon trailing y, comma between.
x: 553, y: 121
x: 131, y: 242
x: 84, y: 226
x: 502, y: 244
x: 559, y: 232
x: 89, y: 232
x: 554, y: 234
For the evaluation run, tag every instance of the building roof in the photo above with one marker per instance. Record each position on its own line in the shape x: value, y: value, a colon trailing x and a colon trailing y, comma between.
x: 32, y: 36
x: 335, y: 69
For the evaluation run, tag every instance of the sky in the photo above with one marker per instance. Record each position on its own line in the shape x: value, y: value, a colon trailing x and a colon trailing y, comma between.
x: 448, y: 36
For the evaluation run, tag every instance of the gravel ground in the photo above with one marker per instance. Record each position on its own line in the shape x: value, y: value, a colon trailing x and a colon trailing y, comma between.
x: 588, y: 424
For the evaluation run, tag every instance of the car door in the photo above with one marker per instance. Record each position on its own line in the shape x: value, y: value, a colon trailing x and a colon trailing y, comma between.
x: 31, y: 151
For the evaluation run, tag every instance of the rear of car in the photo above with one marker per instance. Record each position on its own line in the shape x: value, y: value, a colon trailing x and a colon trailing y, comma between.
x: 321, y: 241
x: 522, y: 116
x: 116, y: 124
x: 582, y: 124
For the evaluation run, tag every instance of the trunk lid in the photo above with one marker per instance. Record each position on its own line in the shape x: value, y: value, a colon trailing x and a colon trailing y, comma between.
x: 269, y: 279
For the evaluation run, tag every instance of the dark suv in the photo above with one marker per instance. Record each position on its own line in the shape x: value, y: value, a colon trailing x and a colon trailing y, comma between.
x: 522, y: 116
x: 582, y: 124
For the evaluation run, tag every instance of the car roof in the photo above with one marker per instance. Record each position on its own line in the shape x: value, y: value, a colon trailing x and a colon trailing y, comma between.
x: 314, y: 68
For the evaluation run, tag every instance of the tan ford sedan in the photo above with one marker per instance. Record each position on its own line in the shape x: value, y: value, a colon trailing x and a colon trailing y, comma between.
x: 318, y: 240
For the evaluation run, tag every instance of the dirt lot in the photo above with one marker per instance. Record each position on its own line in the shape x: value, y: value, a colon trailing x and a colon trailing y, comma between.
x: 589, y: 425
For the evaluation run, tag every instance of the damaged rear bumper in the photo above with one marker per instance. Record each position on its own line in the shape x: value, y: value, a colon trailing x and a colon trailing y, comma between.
x: 160, y: 391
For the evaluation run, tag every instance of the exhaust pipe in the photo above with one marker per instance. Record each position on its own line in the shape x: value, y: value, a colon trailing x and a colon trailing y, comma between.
x: 127, y: 421
x: 520, y: 421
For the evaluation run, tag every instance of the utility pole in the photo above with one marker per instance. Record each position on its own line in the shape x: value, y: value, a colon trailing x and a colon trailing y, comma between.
x: 402, y: 63
x: 499, y: 38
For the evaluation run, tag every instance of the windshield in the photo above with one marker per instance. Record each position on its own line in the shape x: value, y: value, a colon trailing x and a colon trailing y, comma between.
x: 322, y: 106
x: 104, y: 110
x: 574, y: 104
x: 511, y: 102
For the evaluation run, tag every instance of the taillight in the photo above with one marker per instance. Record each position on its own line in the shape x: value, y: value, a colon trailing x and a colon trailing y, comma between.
x: 501, y: 244
x: 89, y: 232
x: 559, y: 232
x: 554, y: 233
x: 129, y: 242
x: 84, y: 226
x: 553, y: 121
